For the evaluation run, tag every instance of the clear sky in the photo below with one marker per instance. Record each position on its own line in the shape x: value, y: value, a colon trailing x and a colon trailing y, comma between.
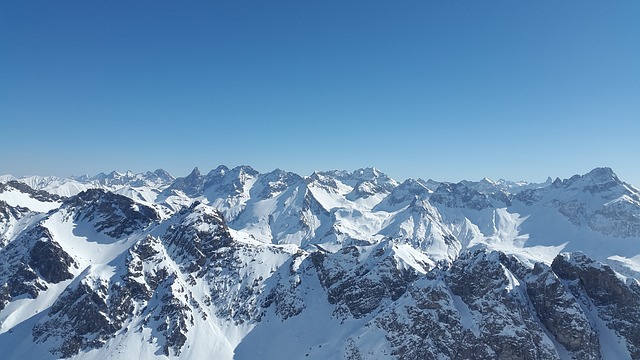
x: 438, y: 89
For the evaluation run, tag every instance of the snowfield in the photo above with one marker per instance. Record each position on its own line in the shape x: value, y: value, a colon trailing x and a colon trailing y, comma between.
x: 236, y: 264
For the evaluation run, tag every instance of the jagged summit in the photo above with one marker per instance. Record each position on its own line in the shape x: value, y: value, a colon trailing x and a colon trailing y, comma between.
x: 405, y: 193
x: 362, y: 174
x: 368, y: 173
x: 113, y: 214
x: 237, y: 264
x: 602, y: 175
x: 194, y: 173
x: 161, y: 174
x: 191, y: 184
x: 597, y: 178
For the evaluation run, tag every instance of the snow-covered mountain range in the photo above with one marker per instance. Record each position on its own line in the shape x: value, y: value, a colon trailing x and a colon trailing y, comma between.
x: 238, y: 264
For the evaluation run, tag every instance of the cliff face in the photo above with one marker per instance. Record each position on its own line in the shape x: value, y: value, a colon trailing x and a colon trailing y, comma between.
x: 238, y: 264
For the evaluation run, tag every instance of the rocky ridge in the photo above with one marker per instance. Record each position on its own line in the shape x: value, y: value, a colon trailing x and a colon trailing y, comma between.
x: 381, y: 269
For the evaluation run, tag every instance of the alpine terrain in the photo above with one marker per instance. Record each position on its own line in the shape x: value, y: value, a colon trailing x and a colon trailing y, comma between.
x: 238, y: 264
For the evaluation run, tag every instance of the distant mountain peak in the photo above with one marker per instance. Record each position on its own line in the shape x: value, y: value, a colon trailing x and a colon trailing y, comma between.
x: 597, y: 179
x: 602, y: 175
x: 488, y: 181
x: 222, y: 264
x: 368, y: 173
x: 195, y: 173
x: 163, y: 175
x: 219, y: 170
x: 372, y: 171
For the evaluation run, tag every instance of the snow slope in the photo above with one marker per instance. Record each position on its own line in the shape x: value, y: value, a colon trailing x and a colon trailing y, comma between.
x: 236, y: 264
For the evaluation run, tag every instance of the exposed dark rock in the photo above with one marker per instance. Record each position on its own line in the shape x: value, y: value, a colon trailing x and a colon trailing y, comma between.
x: 31, y: 261
x: 406, y: 193
x: 460, y: 196
x: 191, y: 185
x: 359, y: 287
x: 9, y: 214
x: 39, y: 195
x: 199, y: 232
x: 80, y: 318
x: 617, y: 303
x: 50, y: 261
x: 114, y: 215
x: 287, y: 294
x: 227, y: 182
x: 557, y: 309
x: 189, y: 269
x: 276, y: 182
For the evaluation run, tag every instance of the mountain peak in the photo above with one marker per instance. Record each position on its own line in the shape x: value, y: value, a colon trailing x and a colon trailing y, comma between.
x: 220, y: 264
x: 164, y: 175
x: 368, y: 173
x: 221, y: 170
x: 598, y: 178
x: 486, y: 180
x: 6, y: 178
x: 602, y: 175
x: 195, y: 173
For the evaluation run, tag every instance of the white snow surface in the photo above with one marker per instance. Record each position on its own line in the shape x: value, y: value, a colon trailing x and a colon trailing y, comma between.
x: 17, y: 198
x: 281, y: 217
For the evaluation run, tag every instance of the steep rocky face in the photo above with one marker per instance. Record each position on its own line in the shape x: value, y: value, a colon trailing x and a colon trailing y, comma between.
x: 358, y: 283
x: 223, y: 182
x: 460, y: 196
x: 597, y: 286
x: 8, y: 212
x: 31, y: 262
x: 597, y: 199
x: 557, y: 309
x: 79, y: 320
x: 286, y: 296
x: 488, y: 306
x: 191, y: 184
x: 403, y: 195
x: 427, y: 324
x: 234, y: 273
x: 9, y: 217
x: 273, y: 183
x: 197, y: 232
x: 324, y: 181
x: 203, y: 247
x: 368, y: 182
x: 200, y: 243
x: 111, y: 214
x: 507, y: 324
x: 620, y: 217
x: 49, y: 260
x: 597, y: 181
x: 101, y: 305
x: 155, y: 292
x: 160, y: 175
x: 350, y: 265
x: 237, y: 282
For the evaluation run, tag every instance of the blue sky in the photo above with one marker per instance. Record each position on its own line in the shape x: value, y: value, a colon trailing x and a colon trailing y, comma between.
x: 448, y: 90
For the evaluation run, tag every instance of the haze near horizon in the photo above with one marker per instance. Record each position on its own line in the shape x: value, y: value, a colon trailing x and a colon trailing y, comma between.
x: 445, y: 90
